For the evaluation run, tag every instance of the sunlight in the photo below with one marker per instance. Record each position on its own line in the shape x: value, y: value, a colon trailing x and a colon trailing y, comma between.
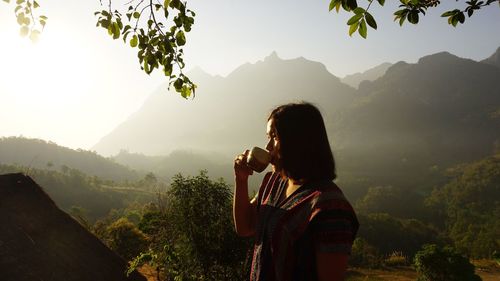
x: 48, y: 72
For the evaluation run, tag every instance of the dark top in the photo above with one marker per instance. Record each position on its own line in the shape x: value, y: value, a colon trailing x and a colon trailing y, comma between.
x: 316, y: 217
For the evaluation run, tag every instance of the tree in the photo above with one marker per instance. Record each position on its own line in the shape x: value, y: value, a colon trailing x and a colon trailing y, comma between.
x: 193, y: 236
x: 158, y: 28
x: 434, y: 263
x: 471, y: 208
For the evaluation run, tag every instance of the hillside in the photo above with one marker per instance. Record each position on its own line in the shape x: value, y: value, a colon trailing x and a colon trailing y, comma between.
x: 35, y: 153
x: 420, y: 118
x: 494, y: 59
x: 371, y: 74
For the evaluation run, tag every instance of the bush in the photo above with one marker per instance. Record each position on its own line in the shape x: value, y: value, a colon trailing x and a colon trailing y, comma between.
x: 364, y: 255
x: 126, y: 239
x: 434, y: 263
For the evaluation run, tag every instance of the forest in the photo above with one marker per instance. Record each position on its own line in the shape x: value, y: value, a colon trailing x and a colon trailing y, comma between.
x: 182, y: 230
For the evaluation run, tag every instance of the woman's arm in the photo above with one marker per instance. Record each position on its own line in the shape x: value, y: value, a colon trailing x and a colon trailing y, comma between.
x: 331, y: 266
x: 244, y: 210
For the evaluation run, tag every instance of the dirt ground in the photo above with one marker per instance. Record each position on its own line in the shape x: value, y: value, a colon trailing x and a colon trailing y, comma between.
x: 362, y: 274
x: 407, y: 274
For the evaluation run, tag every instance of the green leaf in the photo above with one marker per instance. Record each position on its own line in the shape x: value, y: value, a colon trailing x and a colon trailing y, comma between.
x: 136, y: 15
x: 166, y: 3
x: 133, y: 41
x: 362, y: 28
x: 185, y: 92
x: 35, y: 34
x: 178, y: 84
x: 332, y: 5
x: 180, y: 38
x: 20, y: 18
x: 353, y: 28
x: 35, y: 4
x: 352, y: 4
x: 116, y: 30
x: 7, y: 1
x: 354, y: 19
x: 370, y: 20
x: 413, y: 17
x: 461, y: 17
x: 400, y: 12
x: 19, y: 1
x: 359, y: 10
x: 381, y: 2
x: 449, y: 13
x: 402, y: 20
x: 24, y: 31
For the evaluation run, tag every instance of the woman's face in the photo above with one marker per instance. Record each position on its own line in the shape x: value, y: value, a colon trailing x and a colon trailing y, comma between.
x: 273, y: 144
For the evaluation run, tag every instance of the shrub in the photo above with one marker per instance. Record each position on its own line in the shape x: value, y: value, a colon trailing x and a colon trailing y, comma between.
x: 364, y: 255
x: 434, y: 263
x: 126, y: 239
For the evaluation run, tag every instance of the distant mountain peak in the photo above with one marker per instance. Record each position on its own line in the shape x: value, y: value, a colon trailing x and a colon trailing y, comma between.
x: 371, y: 74
x: 440, y: 57
x: 272, y: 57
x: 494, y: 59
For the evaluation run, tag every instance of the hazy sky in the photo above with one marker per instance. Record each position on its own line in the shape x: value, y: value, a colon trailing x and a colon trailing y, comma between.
x: 77, y: 84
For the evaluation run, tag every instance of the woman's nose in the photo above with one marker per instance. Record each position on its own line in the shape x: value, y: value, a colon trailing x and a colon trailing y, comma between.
x: 269, y: 145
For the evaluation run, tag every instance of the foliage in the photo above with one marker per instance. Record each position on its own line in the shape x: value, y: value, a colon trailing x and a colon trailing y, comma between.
x: 471, y: 206
x: 394, y: 201
x: 388, y: 234
x: 72, y: 187
x: 126, y: 239
x: 31, y: 24
x: 364, y: 254
x: 409, y: 10
x: 192, y: 234
x: 434, y: 263
x: 159, y: 41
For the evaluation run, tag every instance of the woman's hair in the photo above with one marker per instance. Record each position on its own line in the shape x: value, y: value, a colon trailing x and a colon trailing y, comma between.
x: 304, y: 152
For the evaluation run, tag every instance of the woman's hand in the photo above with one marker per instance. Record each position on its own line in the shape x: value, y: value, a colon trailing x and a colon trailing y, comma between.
x: 241, y: 170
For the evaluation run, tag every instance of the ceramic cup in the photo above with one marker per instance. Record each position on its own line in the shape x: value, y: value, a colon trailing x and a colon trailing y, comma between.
x: 258, y: 159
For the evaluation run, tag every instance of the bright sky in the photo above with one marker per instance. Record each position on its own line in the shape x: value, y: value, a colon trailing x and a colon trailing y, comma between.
x: 77, y: 84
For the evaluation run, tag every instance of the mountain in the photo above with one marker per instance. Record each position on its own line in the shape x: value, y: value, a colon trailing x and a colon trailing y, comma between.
x: 371, y: 74
x: 35, y: 153
x: 228, y: 114
x: 41, y: 242
x: 420, y: 118
x: 404, y: 128
x: 493, y: 59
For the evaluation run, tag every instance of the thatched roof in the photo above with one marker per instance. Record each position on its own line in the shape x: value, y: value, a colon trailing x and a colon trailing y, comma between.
x: 38, y: 241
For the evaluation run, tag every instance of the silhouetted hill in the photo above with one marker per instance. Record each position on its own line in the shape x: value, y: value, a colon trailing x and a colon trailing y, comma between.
x: 371, y: 74
x: 421, y: 117
x: 41, y: 242
x: 37, y: 153
x: 493, y: 59
x: 228, y: 114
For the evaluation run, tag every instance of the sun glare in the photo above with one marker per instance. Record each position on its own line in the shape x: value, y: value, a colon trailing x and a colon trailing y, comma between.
x: 42, y: 73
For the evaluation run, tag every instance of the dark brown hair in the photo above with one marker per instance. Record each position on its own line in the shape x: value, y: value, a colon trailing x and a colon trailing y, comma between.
x: 305, y: 152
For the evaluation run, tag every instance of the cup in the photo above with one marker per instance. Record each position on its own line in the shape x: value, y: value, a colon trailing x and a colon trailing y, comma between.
x: 258, y: 159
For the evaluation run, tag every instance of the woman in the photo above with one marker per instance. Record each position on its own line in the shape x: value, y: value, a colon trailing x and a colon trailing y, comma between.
x: 302, y: 224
